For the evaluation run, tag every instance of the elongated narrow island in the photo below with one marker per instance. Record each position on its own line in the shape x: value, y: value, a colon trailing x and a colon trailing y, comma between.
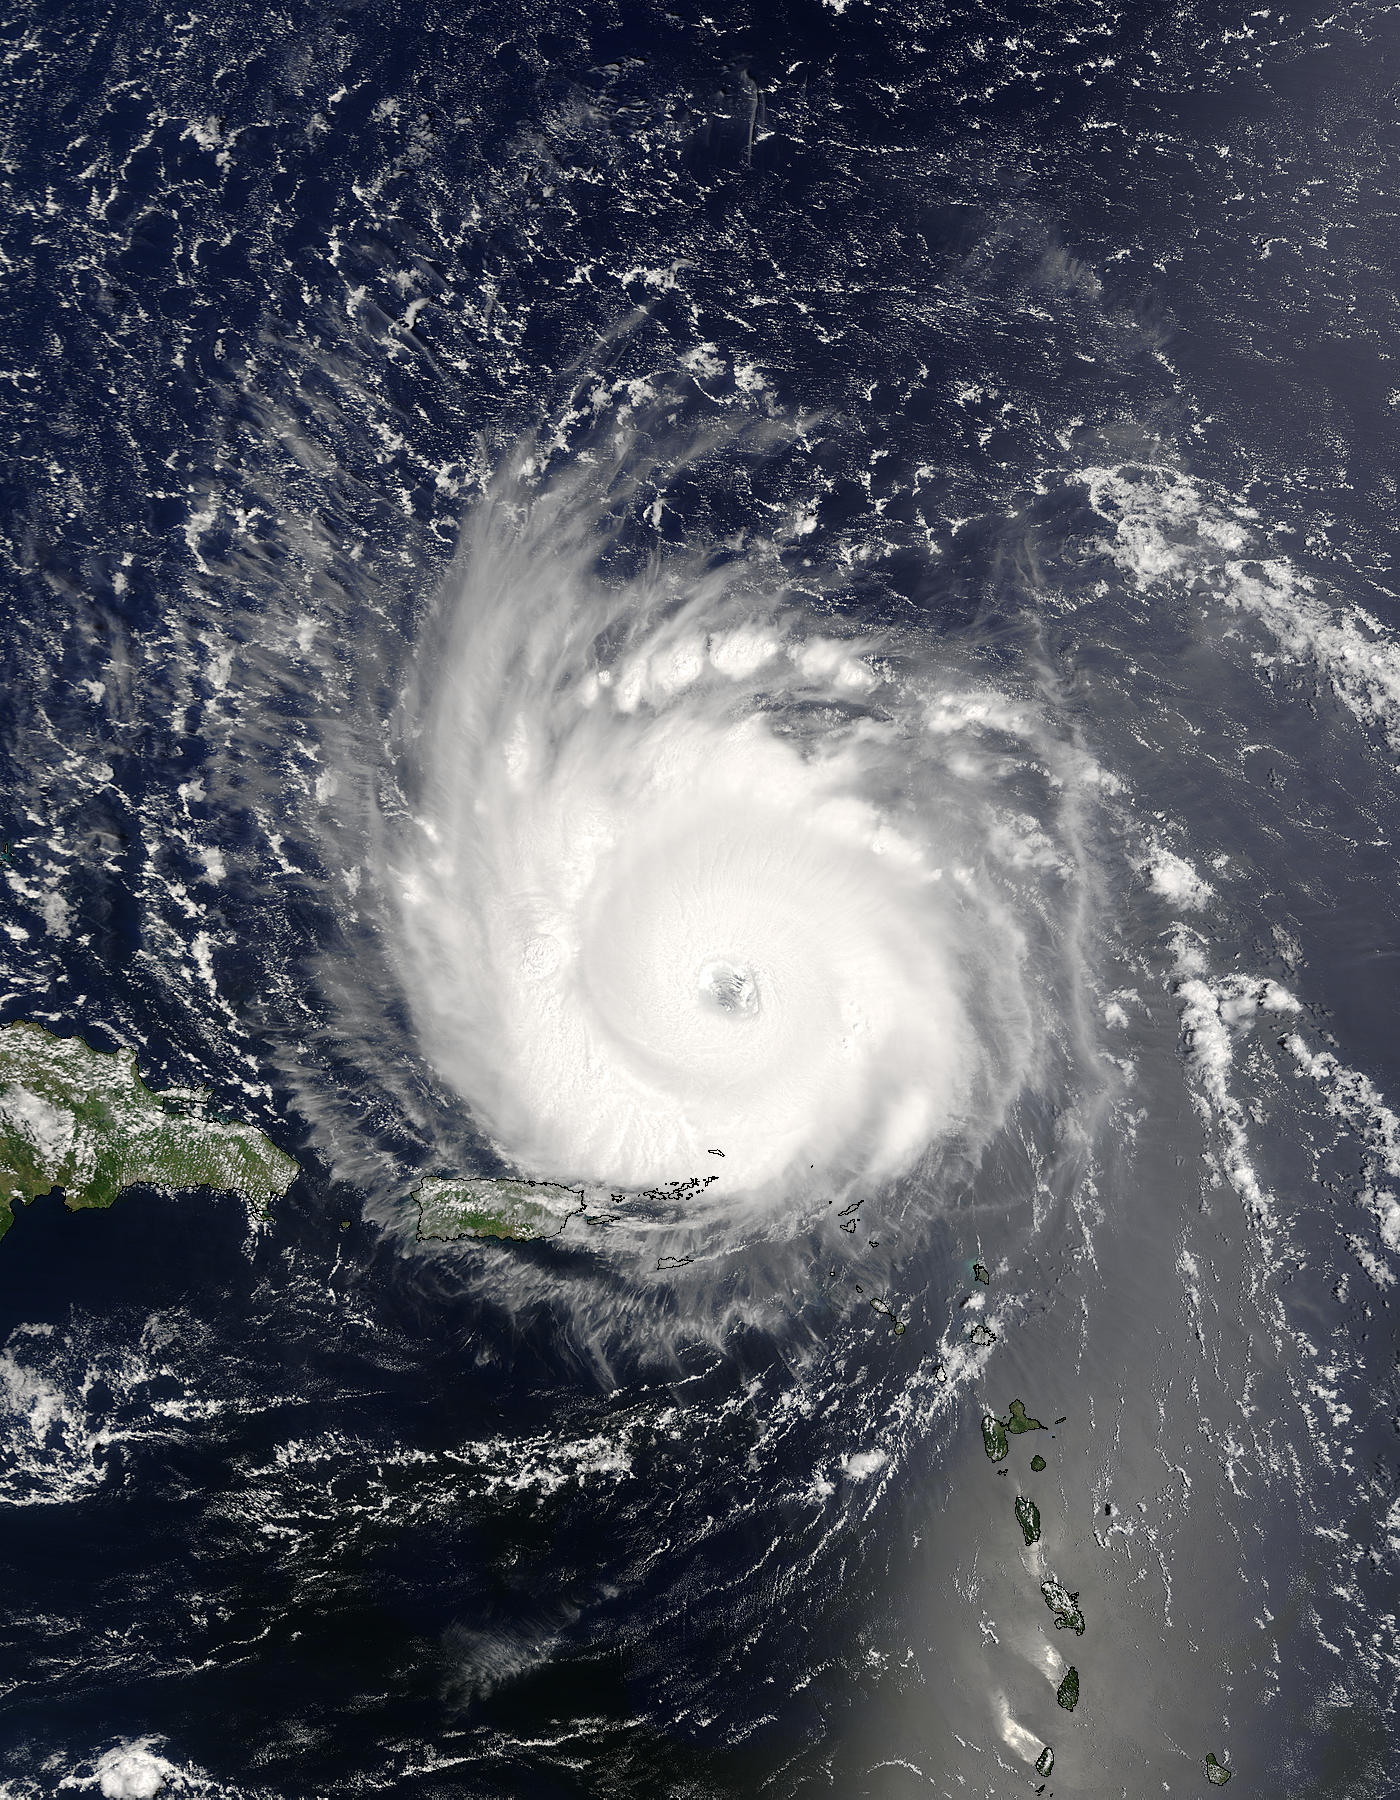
x: 80, y: 1119
x: 485, y: 1207
x: 1065, y: 1606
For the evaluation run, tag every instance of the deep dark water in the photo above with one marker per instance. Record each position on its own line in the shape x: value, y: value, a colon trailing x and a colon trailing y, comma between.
x: 1056, y: 345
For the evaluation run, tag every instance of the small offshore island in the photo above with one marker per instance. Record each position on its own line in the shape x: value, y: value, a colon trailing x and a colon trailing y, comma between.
x: 80, y: 1119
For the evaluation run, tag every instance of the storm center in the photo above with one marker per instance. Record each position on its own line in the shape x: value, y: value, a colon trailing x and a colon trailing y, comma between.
x: 729, y: 987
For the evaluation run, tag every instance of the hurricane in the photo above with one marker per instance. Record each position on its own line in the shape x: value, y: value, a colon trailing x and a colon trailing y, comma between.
x: 712, y: 698
x: 699, y: 888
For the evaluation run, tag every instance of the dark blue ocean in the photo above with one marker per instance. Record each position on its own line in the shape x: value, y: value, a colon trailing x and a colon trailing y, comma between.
x: 376, y: 376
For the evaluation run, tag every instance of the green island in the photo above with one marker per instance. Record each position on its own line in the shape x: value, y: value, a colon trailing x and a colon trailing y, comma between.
x: 1045, y: 1762
x: 1216, y: 1772
x: 514, y: 1207
x: 1028, y: 1518
x: 80, y: 1119
x: 1067, y: 1693
x: 884, y: 1308
x: 1065, y: 1607
x: 980, y: 1273
x: 995, y: 1431
x: 481, y: 1207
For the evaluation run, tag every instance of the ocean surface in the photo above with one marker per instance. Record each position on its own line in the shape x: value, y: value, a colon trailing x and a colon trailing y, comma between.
x: 787, y: 615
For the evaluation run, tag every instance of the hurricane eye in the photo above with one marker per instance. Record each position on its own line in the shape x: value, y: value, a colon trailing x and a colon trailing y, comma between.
x: 729, y: 988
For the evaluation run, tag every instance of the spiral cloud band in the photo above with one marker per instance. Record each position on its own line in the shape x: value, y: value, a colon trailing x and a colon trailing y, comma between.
x: 698, y: 895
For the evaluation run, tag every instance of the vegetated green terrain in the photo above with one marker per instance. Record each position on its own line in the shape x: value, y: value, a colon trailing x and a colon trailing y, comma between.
x: 80, y: 1119
x: 482, y: 1208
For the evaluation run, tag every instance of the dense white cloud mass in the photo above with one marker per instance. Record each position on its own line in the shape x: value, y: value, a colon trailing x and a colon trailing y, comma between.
x: 697, y: 889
